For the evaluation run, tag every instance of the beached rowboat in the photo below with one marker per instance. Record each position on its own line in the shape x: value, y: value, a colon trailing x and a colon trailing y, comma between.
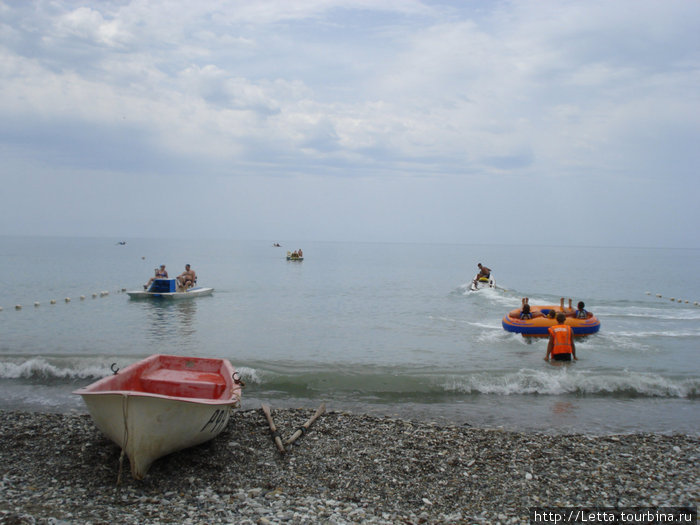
x: 162, y: 404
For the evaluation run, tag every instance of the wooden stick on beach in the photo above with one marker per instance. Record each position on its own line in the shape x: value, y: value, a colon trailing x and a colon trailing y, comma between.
x: 303, y: 428
x: 273, y: 428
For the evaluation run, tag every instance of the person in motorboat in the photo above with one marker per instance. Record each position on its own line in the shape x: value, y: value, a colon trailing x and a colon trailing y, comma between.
x: 484, y: 273
x: 188, y: 278
x: 160, y: 273
x: 561, y: 346
x: 581, y: 313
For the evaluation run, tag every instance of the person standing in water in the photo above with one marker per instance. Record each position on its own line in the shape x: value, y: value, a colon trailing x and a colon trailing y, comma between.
x: 561, y: 346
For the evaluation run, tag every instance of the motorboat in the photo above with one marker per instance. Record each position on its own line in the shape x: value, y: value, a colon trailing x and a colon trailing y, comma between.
x: 169, y: 289
x: 163, y: 404
x: 480, y: 283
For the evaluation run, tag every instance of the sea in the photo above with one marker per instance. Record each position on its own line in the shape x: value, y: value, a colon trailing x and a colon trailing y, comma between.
x: 386, y: 329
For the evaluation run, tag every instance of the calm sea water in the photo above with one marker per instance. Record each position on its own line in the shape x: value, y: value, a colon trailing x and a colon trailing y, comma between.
x: 375, y: 328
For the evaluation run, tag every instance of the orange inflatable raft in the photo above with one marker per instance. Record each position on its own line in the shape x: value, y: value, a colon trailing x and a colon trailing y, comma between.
x: 539, y: 325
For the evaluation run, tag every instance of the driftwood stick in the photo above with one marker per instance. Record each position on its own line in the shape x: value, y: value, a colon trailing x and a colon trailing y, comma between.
x: 303, y: 428
x: 273, y: 429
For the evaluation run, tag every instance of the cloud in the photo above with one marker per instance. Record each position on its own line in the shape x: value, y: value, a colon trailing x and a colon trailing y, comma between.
x: 369, y: 101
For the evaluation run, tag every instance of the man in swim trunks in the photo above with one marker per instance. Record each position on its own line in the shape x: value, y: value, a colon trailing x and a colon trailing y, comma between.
x: 187, y: 278
x: 561, y: 341
x: 484, y: 272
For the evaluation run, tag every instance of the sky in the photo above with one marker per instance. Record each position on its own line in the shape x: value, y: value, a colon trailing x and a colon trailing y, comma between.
x: 479, y: 122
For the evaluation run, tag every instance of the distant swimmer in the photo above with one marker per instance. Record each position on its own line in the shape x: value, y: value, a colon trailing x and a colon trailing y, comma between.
x: 561, y: 346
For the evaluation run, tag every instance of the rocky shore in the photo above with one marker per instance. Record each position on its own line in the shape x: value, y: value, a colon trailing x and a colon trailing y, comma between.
x: 58, y: 468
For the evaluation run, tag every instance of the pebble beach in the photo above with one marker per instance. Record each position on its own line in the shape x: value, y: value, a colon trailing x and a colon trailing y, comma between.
x: 348, y: 468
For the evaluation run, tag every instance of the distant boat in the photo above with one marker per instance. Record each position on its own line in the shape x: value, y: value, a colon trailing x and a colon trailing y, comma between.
x: 295, y: 256
x: 482, y: 282
x: 168, y: 289
x: 122, y: 243
x: 163, y: 404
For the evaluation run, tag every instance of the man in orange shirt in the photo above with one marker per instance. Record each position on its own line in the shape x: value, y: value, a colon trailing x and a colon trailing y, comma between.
x: 561, y: 341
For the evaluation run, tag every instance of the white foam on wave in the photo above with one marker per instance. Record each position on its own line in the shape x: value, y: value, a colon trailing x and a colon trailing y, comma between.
x: 659, y: 333
x: 651, y: 313
x: 39, y: 367
x: 566, y: 381
x: 248, y: 375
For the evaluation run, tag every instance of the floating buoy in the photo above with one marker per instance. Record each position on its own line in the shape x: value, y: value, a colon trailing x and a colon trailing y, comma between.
x: 648, y: 293
x: 18, y: 307
x: 94, y: 295
x: 67, y: 299
x: 53, y: 301
x: 658, y: 295
x: 0, y: 308
x: 82, y: 297
x: 36, y: 303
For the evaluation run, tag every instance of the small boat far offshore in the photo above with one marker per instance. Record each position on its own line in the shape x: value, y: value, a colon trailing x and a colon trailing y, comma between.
x: 163, y: 404
x: 168, y: 289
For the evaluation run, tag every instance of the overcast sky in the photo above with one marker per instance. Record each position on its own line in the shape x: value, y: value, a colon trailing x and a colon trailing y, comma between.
x: 545, y: 122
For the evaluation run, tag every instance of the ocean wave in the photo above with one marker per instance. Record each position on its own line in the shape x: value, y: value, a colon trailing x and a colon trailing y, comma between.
x: 41, y: 368
x: 395, y: 383
x: 668, y: 313
x: 436, y: 385
x: 564, y: 381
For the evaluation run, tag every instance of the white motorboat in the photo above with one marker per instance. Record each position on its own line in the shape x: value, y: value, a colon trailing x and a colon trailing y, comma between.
x: 482, y: 282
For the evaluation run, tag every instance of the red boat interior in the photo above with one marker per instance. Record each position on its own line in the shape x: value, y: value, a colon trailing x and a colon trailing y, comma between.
x: 189, y: 377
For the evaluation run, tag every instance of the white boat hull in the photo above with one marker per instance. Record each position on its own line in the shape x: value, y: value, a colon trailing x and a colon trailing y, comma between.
x: 479, y: 284
x: 148, y: 428
x: 163, y: 404
x: 192, y: 292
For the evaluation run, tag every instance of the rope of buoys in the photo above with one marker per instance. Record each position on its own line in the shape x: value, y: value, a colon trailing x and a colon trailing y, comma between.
x: 674, y: 300
x: 103, y: 293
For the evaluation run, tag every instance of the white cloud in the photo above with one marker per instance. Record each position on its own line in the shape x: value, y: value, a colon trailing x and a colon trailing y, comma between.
x: 415, y: 99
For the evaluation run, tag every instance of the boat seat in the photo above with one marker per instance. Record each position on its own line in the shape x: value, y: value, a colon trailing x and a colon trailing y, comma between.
x: 184, y: 383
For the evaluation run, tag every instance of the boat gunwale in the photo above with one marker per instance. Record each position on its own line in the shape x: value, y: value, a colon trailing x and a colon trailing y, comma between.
x: 230, y: 395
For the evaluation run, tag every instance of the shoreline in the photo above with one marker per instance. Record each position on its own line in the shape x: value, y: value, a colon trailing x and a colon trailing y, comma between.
x: 348, y: 468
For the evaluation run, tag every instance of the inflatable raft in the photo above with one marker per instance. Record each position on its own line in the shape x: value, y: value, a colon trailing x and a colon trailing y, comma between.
x: 539, y: 325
